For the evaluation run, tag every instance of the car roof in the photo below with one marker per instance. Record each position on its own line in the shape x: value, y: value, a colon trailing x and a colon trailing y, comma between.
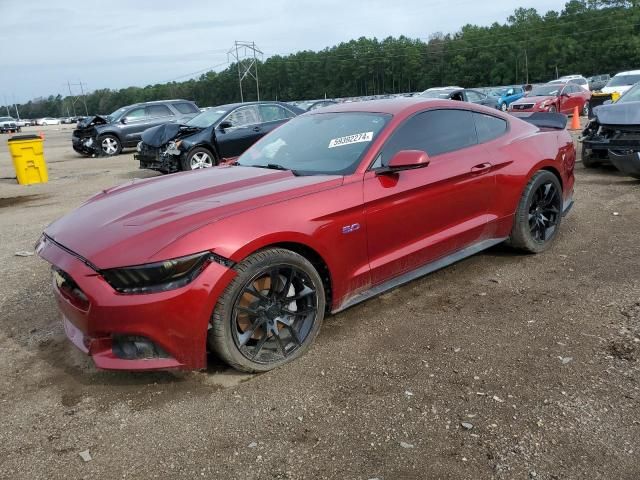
x: 629, y: 72
x: 230, y: 106
x: 395, y: 106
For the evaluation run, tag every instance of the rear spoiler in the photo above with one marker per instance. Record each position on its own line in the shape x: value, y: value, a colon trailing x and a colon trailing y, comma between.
x: 544, y: 120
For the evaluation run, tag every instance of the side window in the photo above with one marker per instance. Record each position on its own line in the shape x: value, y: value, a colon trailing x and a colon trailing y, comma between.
x: 135, y: 114
x: 273, y: 113
x: 489, y: 127
x: 158, y: 111
x: 434, y: 131
x: 244, y: 116
x: 186, y: 108
x: 473, y: 96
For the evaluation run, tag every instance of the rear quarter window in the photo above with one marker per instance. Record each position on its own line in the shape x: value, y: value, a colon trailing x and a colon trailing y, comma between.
x: 186, y: 108
x: 489, y: 127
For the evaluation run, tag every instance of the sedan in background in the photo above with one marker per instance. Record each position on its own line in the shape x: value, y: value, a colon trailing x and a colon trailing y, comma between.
x: 216, y: 135
x: 48, y: 121
x: 332, y: 208
x: 462, y: 95
x: 554, y: 97
x: 506, y: 96
x: 621, y: 82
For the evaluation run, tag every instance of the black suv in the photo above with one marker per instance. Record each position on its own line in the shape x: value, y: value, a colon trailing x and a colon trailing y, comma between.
x: 108, y: 135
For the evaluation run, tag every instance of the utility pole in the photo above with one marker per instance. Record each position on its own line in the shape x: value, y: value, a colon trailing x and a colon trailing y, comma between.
x: 6, y: 105
x: 245, y: 55
x: 86, y: 112
x: 526, y: 64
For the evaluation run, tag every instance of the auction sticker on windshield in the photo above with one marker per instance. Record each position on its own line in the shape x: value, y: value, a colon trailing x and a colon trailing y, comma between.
x: 349, y: 139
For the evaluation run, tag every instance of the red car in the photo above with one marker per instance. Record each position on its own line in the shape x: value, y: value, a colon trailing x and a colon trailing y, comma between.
x: 554, y: 97
x: 332, y: 208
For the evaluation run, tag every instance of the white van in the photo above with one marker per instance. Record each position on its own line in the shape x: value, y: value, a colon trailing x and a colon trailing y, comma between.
x: 621, y: 82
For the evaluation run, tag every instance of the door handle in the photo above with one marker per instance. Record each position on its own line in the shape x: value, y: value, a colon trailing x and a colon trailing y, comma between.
x: 256, y: 129
x: 481, y: 168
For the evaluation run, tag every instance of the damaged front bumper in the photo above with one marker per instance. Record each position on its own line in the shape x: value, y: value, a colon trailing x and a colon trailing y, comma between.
x: 165, y: 160
x: 86, y: 145
x: 628, y: 162
x: 615, y: 144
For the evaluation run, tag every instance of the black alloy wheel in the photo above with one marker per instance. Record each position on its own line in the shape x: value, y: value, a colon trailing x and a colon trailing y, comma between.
x: 544, y: 212
x: 270, y: 313
x: 539, y: 213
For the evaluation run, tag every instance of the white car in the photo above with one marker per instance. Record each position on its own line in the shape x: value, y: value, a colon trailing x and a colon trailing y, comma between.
x: 621, y: 82
x: 577, y: 79
x: 49, y: 121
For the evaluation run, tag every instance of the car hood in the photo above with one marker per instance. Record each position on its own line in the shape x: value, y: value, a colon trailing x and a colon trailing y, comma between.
x: 534, y: 99
x: 163, y: 134
x: 129, y: 224
x: 92, y: 121
x: 618, y: 114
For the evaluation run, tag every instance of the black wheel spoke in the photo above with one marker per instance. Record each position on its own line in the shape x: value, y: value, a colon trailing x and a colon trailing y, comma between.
x: 259, y: 345
x: 544, y: 212
x: 280, y: 316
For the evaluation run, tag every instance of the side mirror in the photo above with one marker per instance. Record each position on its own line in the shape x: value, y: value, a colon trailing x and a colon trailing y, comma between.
x: 564, y: 94
x: 224, y: 125
x: 123, y: 120
x: 405, y: 160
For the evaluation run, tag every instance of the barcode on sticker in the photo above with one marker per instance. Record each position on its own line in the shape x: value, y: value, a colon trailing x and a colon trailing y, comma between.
x: 349, y: 139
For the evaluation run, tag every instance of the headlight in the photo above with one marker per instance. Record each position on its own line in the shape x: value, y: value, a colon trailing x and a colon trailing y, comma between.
x: 157, y: 277
x: 173, y: 148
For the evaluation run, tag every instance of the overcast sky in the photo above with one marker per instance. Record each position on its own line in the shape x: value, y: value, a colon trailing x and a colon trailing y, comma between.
x: 119, y: 43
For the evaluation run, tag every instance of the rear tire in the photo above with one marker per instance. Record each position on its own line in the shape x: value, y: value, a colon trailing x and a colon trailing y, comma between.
x: 503, y: 106
x: 270, y: 313
x: 539, y: 214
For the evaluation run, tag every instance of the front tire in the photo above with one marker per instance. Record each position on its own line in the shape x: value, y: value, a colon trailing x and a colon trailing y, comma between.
x: 552, y: 109
x: 588, y: 158
x: 539, y: 213
x: 503, y: 106
x: 110, y: 145
x: 585, y: 109
x: 198, y: 158
x: 270, y: 313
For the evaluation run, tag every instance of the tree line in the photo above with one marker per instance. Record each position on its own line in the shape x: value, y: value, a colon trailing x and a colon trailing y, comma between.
x: 587, y: 36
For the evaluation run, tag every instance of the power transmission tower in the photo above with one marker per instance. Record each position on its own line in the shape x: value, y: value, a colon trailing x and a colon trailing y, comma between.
x: 245, y: 55
x: 74, y: 98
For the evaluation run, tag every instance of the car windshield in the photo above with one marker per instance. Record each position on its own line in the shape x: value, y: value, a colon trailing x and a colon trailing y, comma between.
x: 5, y: 119
x: 207, y: 118
x: 546, y: 90
x: 436, y: 94
x: 631, y: 95
x: 623, y: 80
x: 116, y: 115
x: 319, y: 144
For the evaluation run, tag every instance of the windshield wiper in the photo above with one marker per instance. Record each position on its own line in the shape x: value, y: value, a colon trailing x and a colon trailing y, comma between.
x: 275, y: 166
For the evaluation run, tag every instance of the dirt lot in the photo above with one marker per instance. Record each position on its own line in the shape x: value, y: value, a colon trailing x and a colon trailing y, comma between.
x: 502, y: 366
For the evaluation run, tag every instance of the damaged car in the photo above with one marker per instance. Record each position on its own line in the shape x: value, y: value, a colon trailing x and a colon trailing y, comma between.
x: 108, y: 135
x: 613, y: 135
x: 216, y: 135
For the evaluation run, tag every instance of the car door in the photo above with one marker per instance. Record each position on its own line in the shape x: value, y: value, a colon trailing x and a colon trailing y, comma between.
x: 416, y: 216
x: 567, y: 99
x: 473, y: 96
x: 273, y: 116
x: 242, y: 130
x: 132, y: 124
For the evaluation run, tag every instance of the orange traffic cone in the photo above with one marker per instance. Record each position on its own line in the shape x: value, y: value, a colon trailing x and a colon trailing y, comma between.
x: 41, y: 135
x: 575, y: 120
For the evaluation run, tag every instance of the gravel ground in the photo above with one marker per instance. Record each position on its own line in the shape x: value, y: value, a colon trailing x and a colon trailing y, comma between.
x: 502, y: 366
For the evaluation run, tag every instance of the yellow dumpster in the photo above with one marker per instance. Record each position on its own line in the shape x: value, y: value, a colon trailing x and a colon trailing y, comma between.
x: 28, y: 159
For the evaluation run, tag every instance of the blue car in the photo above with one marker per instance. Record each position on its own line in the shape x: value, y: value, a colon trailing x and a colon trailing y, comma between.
x: 507, y: 95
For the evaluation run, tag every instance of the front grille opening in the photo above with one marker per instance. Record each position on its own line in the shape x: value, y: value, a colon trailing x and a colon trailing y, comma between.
x: 129, y: 347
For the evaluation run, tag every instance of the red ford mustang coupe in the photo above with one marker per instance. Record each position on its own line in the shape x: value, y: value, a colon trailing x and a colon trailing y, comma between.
x: 332, y: 208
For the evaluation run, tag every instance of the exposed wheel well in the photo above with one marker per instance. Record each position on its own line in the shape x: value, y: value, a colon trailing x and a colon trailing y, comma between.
x: 316, y: 260
x: 556, y: 173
